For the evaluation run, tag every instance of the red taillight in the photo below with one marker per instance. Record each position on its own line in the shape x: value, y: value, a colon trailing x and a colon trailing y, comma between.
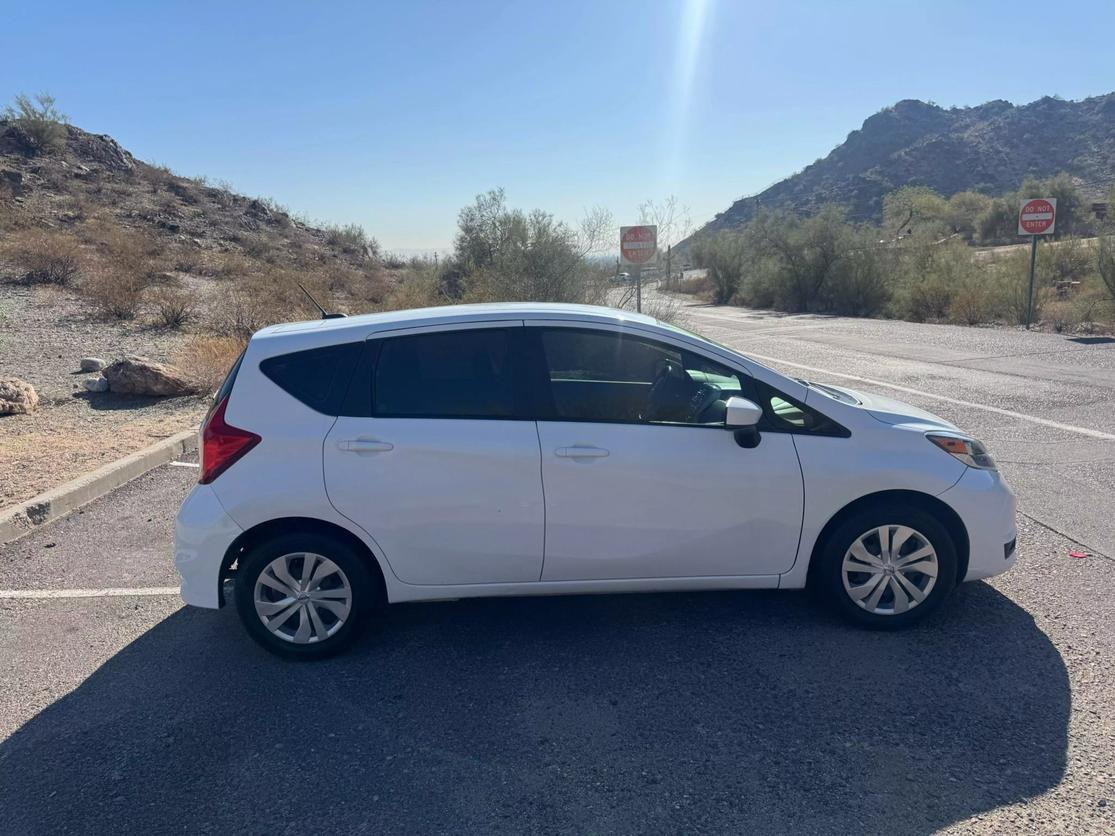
x: 222, y: 444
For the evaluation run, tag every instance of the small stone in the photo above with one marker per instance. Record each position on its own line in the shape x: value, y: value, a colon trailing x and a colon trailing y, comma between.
x: 96, y: 384
x: 92, y: 364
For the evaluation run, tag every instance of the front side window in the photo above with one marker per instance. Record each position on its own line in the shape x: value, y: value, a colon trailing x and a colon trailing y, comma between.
x: 609, y: 376
x: 448, y: 374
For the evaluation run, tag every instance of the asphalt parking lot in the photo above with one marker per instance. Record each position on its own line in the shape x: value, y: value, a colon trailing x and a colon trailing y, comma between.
x: 715, y: 712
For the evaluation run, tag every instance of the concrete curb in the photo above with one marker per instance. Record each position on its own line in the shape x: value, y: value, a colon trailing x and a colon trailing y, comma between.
x: 27, y: 516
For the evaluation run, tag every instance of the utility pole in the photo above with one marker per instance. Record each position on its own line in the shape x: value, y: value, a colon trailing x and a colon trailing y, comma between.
x: 669, y: 266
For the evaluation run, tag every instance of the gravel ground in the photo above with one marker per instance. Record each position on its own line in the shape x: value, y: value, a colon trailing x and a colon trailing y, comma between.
x: 43, y: 335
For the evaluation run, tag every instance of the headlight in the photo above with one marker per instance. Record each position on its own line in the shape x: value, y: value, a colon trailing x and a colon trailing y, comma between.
x: 967, y: 450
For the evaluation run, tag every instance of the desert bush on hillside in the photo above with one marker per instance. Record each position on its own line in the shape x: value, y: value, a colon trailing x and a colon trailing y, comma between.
x: 206, y: 361
x: 40, y: 256
x: 172, y: 307
x: 115, y: 293
x: 41, y: 120
x: 352, y: 239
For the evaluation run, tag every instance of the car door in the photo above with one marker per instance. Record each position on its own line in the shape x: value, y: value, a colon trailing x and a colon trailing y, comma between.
x: 645, y: 482
x: 440, y: 464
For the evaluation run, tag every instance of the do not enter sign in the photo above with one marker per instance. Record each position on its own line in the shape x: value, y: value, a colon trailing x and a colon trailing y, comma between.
x: 1037, y: 217
x: 638, y: 244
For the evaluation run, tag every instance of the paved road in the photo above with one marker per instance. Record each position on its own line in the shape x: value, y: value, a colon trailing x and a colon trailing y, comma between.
x: 725, y: 712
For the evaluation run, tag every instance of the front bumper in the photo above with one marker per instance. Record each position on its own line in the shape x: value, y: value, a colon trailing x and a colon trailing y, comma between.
x: 202, y: 534
x: 987, y: 508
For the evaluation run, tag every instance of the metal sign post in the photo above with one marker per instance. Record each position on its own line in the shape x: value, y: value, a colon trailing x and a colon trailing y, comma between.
x: 1030, y: 295
x: 1035, y: 217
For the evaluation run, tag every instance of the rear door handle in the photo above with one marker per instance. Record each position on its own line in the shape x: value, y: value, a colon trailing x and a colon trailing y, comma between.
x: 581, y: 452
x: 362, y: 446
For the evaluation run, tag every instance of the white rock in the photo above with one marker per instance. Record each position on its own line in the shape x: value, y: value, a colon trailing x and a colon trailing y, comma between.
x: 92, y: 364
x: 96, y: 384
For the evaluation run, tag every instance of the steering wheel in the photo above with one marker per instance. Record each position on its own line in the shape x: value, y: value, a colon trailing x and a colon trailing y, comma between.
x: 672, y: 395
x: 707, y: 395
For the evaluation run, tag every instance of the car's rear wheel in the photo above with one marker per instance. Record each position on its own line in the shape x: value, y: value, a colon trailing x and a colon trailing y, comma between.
x: 887, y: 567
x: 304, y: 596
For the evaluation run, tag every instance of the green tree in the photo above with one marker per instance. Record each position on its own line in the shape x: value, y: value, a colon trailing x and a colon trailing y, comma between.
x: 964, y: 211
x: 914, y: 210
x: 722, y: 255
x: 41, y: 120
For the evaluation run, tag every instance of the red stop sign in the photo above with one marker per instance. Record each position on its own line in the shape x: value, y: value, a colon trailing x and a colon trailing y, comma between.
x: 1036, y: 217
x: 638, y: 244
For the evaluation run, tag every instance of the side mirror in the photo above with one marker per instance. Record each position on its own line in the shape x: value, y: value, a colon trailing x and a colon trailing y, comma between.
x: 742, y: 414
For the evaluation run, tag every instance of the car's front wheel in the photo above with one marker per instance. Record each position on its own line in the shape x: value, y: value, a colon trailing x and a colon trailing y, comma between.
x: 304, y: 596
x: 887, y: 567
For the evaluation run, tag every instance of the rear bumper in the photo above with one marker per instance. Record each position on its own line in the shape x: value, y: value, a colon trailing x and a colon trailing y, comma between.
x: 987, y: 508
x: 202, y: 534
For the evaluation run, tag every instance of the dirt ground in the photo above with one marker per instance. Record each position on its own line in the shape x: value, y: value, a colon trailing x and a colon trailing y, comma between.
x: 43, y: 334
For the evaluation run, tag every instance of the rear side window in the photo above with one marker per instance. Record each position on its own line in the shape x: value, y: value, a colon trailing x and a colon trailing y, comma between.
x: 448, y: 374
x: 317, y: 377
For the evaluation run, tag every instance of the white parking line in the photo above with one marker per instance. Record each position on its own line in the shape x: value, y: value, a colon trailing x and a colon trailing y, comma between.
x: 89, y: 593
x: 184, y: 464
x: 1021, y: 416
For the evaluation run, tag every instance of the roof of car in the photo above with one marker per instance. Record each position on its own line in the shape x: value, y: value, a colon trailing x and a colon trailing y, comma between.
x: 366, y: 323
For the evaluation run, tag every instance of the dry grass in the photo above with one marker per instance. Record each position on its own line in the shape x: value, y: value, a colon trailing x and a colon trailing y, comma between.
x: 171, y: 307
x: 206, y: 360
x: 114, y: 293
x: 43, y: 256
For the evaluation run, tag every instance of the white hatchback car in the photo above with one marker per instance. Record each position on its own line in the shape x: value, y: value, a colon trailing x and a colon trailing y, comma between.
x: 483, y: 450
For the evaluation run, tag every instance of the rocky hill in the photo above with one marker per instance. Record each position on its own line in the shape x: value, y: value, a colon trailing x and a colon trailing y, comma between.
x: 92, y: 176
x: 990, y: 148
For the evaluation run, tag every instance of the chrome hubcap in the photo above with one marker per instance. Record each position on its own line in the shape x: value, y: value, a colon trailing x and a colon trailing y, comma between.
x: 303, y: 597
x: 890, y: 569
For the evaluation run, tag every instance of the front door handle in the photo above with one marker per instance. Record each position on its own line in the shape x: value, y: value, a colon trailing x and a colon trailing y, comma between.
x: 581, y: 452
x: 362, y: 446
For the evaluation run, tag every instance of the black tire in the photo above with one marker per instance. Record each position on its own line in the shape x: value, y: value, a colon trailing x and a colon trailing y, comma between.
x: 365, y: 587
x: 828, y: 576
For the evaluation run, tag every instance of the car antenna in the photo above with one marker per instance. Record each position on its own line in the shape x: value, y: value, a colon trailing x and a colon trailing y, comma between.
x: 324, y: 313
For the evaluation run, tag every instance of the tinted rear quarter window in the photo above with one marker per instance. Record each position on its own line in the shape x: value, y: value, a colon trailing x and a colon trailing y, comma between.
x: 448, y: 374
x: 317, y: 377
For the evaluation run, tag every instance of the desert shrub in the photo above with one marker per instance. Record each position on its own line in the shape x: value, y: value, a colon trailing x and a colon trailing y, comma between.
x: 206, y: 360
x: 171, y: 307
x: 1009, y: 289
x: 229, y: 266
x: 263, y: 299
x: 41, y: 256
x: 352, y: 239
x: 503, y: 254
x: 159, y: 177
x: 1092, y: 305
x: 859, y: 283
x: 694, y: 285
x: 419, y: 287
x: 722, y: 256
x: 1105, y: 260
x: 126, y: 263
x: 41, y: 120
x: 115, y: 293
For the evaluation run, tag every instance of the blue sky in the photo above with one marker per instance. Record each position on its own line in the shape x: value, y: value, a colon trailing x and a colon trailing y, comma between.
x: 395, y: 114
